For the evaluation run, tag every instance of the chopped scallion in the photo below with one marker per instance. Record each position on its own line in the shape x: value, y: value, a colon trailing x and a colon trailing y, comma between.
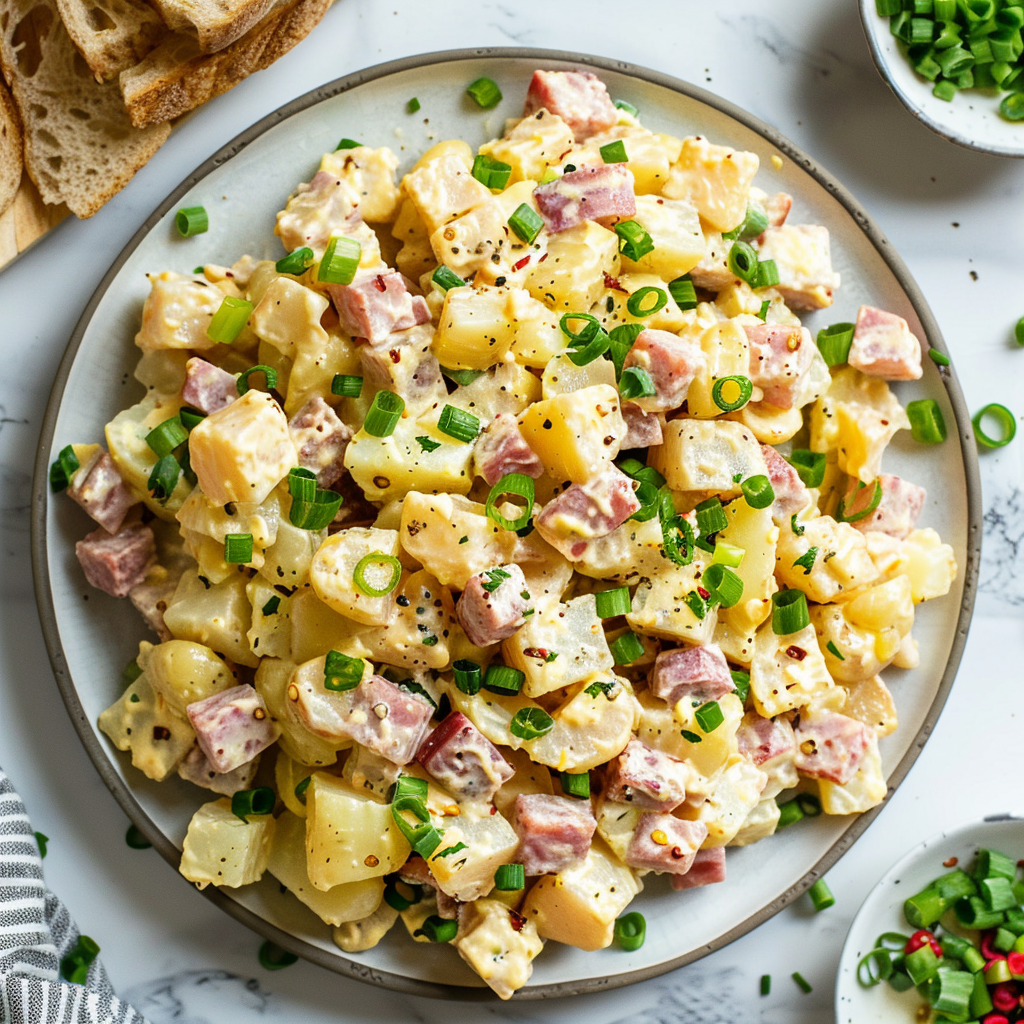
x: 385, y: 570
x: 191, y: 220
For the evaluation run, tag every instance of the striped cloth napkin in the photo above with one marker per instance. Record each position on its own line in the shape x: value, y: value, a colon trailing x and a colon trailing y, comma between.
x: 36, y: 933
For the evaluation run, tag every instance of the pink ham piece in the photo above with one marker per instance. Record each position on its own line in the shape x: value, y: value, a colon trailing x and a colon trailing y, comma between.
x: 646, y: 778
x: 699, y: 674
x: 777, y: 208
x: 416, y: 872
x: 100, y: 490
x: 672, y: 364
x: 501, y: 449
x: 643, y: 429
x: 463, y: 760
x: 554, y: 832
x: 491, y: 606
x: 208, y: 388
x: 376, y: 305
x: 763, y: 740
x: 320, y: 439
x: 404, y: 362
x: 116, y: 562
x: 791, y: 494
x: 884, y: 346
x: 587, y: 194
x: 232, y: 727
x: 665, y: 844
x: 584, y: 512
x: 708, y: 867
x: 830, y: 745
x: 896, y: 513
x: 315, y: 212
x: 197, y: 769
x: 780, y: 356
x: 579, y: 98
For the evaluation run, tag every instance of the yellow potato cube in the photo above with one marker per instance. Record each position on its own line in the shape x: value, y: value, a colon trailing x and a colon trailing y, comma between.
x: 217, y: 615
x: 707, y: 455
x: 931, y: 565
x: 661, y: 608
x: 865, y: 790
x: 726, y: 354
x: 787, y: 672
x: 753, y: 530
x: 870, y: 702
x: 713, y: 750
x: 841, y: 567
x: 443, y: 189
x: 333, y: 573
x: 183, y: 672
x: 716, y: 179
x: 468, y: 243
x: 571, y: 279
x: 531, y: 146
x: 288, y: 316
x: 220, y: 849
x: 674, y: 227
x: 468, y: 874
x: 368, y: 175
x: 737, y: 791
x: 296, y: 741
x: 536, y: 333
x: 177, y: 313
x: 473, y: 332
x: 668, y: 318
x: 500, y: 952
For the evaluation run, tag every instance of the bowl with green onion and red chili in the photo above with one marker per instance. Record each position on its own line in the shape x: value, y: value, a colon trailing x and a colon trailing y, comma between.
x: 941, y: 937
x: 957, y: 66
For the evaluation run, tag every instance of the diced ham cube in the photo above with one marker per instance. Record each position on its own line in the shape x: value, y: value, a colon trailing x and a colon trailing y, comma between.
x: 197, y: 769
x: 665, y: 844
x: 320, y: 439
x: 803, y: 258
x: 376, y: 305
x: 643, y: 429
x: 554, y: 832
x: 208, y: 388
x: 777, y: 208
x: 762, y: 740
x: 884, y: 346
x: 232, y: 727
x: 587, y: 194
x: 579, y: 98
x: 490, y: 607
x: 116, y: 562
x: 708, y: 867
x: 502, y: 449
x: 790, y: 491
x: 646, y: 778
x: 830, y: 745
x: 584, y: 512
x: 152, y: 596
x: 100, y: 490
x: 463, y: 760
x: 415, y: 872
x: 315, y: 212
x: 896, y: 513
x: 696, y: 673
x: 780, y: 356
x: 672, y: 363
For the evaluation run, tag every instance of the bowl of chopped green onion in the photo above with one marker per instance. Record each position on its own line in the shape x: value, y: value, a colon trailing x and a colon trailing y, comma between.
x: 957, y: 66
x: 941, y: 937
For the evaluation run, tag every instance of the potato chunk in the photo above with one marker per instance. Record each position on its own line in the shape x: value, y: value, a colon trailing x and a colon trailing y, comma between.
x: 668, y: 604
x: 706, y: 455
x: 841, y: 566
x: 217, y: 615
x: 498, y: 945
x: 865, y: 790
x: 288, y: 317
x: 675, y: 229
x: 220, y: 849
x: 716, y: 179
x: 533, y: 144
x: 184, y: 672
x: 473, y: 331
x: 468, y: 874
x: 787, y: 672
x: 332, y: 574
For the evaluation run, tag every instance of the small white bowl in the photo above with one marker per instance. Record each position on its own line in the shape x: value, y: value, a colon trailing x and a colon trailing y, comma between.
x: 882, y: 911
x: 971, y: 120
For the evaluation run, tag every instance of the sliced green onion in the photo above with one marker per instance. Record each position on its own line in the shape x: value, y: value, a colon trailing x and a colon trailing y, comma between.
x: 135, y: 839
x: 683, y: 292
x: 384, y: 413
x: 795, y: 527
x: 762, y: 313
x: 834, y: 651
x: 723, y: 584
x: 709, y: 716
x: 937, y: 357
x: 613, y: 602
x: 638, y: 305
x: 1004, y: 419
x: 485, y: 91
x: 950, y: 993
x: 834, y: 343
x: 944, y: 90
x: 510, y: 878
x: 741, y: 680
x: 806, y: 560
x: 192, y: 220
x: 295, y: 262
x: 490, y: 172
x: 395, y: 898
x: 789, y: 813
x: 164, y: 477
x: 739, y: 385
x: 997, y: 893
x: 620, y: 340
x: 379, y: 561
x: 269, y: 377
x: 809, y: 466
x: 634, y: 241
x: 63, y: 468
x: 742, y: 261
x: 238, y: 548
x: 767, y: 275
x: 340, y: 261
x: 766, y: 984
x: 312, y: 508
x: 412, y: 106
x: 754, y: 223
x: 821, y: 895
x: 789, y: 612
x: 758, y: 491
x: 450, y: 850
x: 843, y: 514
x: 531, y: 723
x: 677, y: 538
x: 993, y: 864
x: 636, y: 382
x: 347, y: 144
x: 347, y: 385
x: 592, y: 327
x: 630, y: 931
x: 691, y: 737
x: 190, y: 418
x: 503, y: 679
x: 614, y: 152
x: 626, y: 649
x: 627, y: 107
x: 131, y: 672
x: 511, y: 484
x: 257, y: 801
x: 167, y: 436
x: 1012, y: 107
x: 74, y: 966
x: 526, y: 223
x: 1018, y: 331
x: 495, y: 578
x: 598, y: 344
x: 427, y: 444
x: 576, y: 784
x: 445, y: 278
x: 922, y: 964
x: 467, y: 676
x: 273, y: 958
x: 341, y: 672
x: 696, y: 604
x: 41, y: 841
x: 228, y: 321
x: 727, y: 554
x: 438, y: 929
x: 802, y: 982
x: 458, y: 423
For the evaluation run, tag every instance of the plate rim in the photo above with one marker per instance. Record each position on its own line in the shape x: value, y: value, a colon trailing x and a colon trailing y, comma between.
x: 869, y: 22
x: 341, y: 963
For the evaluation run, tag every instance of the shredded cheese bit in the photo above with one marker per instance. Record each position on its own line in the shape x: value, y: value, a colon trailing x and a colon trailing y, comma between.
x: 659, y: 837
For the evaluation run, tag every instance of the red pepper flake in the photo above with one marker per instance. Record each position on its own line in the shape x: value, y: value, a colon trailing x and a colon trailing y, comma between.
x: 519, y: 264
x: 678, y: 853
x: 536, y: 652
x: 796, y: 653
x: 396, y: 356
x: 952, y: 862
x: 543, y: 258
x: 613, y: 283
x: 161, y: 732
x: 706, y: 594
x: 379, y: 284
x: 516, y: 920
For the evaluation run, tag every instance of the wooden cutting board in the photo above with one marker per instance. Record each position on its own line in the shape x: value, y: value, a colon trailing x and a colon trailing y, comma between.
x: 26, y: 220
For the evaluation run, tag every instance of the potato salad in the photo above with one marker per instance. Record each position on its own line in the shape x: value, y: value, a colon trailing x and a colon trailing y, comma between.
x: 509, y: 544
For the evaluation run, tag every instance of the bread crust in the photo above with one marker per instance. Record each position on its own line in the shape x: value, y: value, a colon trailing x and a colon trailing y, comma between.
x: 11, y: 143
x: 111, y: 34
x: 214, y: 23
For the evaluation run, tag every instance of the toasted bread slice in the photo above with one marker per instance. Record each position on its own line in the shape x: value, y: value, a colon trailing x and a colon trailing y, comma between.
x: 177, y: 77
x: 214, y: 23
x: 80, y: 147
x: 111, y: 34
x: 10, y: 149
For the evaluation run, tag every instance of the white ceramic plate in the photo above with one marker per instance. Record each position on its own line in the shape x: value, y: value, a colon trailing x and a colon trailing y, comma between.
x: 971, y: 120
x: 882, y: 911
x: 242, y: 187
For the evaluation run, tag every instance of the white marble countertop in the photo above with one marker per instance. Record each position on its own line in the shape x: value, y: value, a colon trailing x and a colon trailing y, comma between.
x: 956, y: 217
